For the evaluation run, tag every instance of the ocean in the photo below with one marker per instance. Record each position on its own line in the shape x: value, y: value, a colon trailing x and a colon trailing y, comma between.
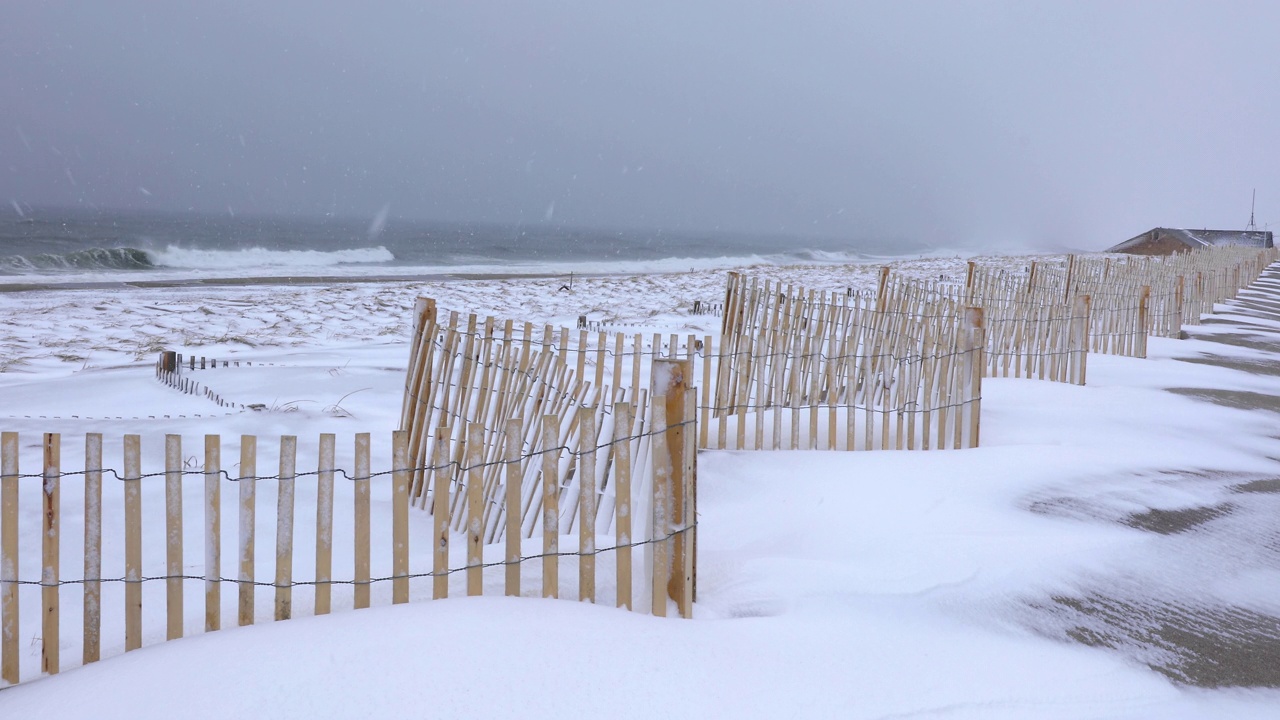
x: 55, y: 246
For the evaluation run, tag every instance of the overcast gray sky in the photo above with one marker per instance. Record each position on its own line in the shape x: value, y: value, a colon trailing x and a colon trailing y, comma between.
x: 1034, y: 123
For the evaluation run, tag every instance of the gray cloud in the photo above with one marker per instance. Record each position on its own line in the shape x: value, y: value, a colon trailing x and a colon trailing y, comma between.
x: 1022, y: 122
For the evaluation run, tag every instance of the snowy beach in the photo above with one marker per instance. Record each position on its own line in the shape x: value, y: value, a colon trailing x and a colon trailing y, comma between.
x: 1108, y: 551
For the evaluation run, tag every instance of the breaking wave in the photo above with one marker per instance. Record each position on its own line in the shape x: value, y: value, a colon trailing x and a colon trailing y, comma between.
x: 255, y: 257
x: 90, y: 259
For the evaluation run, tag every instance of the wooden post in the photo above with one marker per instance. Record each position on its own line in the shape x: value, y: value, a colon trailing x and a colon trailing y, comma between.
x: 324, y: 524
x: 9, y: 557
x: 49, y: 547
x: 973, y: 366
x: 173, y: 535
x: 132, y: 542
x: 212, y: 533
x: 660, y: 549
x: 880, y: 289
x: 440, y: 515
x: 1179, y: 293
x: 362, y: 589
x: 284, y: 526
x: 1144, y: 301
x: 248, y: 517
x: 622, y: 419
x: 1080, y: 334
x: 550, y: 506
x: 400, y: 517
x: 670, y: 379
x: 1071, y: 268
x: 92, y: 547
x: 587, y: 441
x: 475, y: 506
x: 514, y: 473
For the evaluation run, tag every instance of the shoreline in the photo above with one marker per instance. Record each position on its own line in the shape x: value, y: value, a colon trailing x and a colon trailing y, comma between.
x: 284, y: 280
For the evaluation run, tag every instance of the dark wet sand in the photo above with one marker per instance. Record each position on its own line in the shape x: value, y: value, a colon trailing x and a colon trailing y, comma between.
x: 1177, y: 631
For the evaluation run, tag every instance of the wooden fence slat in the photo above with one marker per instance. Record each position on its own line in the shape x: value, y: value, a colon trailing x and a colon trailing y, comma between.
x: 550, y: 506
x: 440, y: 515
x: 132, y: 542
x: 475, y: 506
x: 400, y: 517
x: 284, y: 526
x: 173, y: 535
x: 622, y: 499
x: 248, y: 517
x: 659, y: 549
x: 212, y: 533
x: 49, y: 565
x: 514, y: 433
x: 9, y: 557
x: 324, y: 524
x: 587, y: 441
x: 362, y: 577
x: 92, y: 547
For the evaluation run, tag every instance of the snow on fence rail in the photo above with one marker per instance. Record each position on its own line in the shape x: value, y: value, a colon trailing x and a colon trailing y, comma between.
x: 130, y: 556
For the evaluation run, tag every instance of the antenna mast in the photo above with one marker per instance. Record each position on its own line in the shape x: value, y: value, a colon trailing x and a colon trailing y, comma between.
x: 1252, y: 204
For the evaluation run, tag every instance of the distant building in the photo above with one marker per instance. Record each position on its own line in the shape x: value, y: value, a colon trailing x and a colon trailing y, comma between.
x: 1167, y: 241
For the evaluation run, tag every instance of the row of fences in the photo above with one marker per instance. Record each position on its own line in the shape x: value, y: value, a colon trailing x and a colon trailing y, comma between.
x: 1129, y: 298
x: 126, y: 556
x: 897, y: 368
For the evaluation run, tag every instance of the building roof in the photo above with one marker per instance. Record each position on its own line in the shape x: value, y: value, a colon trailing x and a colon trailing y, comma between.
x: 1198, y: 238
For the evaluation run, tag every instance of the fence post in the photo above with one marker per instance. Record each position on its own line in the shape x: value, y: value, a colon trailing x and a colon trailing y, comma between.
x: 670, y: 380
x: 132, y: 542
x: 92, y: 547
x: 173, y: 535
x: 1179, y: 293
x: 49, y: 547
x: 973, y: 366
x: 248, y: 512
x: 284, y: 526
x: 400, y: 473
x: 324, y: 524
x: 1080, y: 336
x: 880, y: 289
x: 212, y: 532
x: 1144, y: 301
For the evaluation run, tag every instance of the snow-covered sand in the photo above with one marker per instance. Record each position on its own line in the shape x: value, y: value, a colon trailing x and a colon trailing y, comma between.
x: 1009, y: 581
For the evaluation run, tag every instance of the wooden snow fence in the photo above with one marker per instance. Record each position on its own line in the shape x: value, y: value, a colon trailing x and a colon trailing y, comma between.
x: 490, y: 374
x: 839, y: 371
x: 1028, y: 337
x: 159, y: 559
x: 1125, y: 300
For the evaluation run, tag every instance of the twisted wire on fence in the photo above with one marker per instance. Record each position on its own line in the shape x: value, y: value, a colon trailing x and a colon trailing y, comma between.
x: 371, y: 581
x: 460, y: 467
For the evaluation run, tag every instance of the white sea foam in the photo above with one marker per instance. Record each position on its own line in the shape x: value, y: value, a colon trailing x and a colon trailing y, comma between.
x: 177, y: 257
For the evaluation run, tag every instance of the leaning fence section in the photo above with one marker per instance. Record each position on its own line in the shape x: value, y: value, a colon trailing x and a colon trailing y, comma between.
x: 172, y: 552
x: 494, y: 372
x: 802, y: 369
